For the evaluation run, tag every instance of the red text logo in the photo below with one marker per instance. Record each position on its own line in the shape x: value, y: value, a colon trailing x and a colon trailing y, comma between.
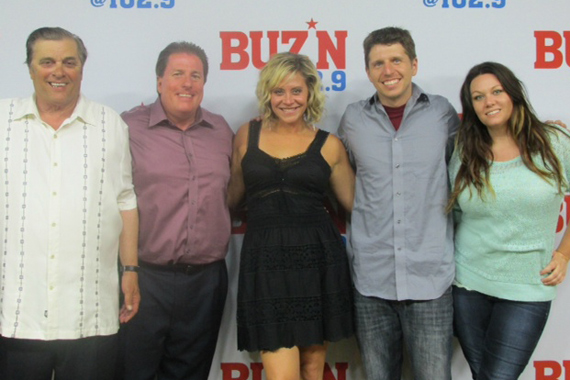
x: 551, y: 370
x: 564, y: 216
x: 240, y: 371
x: 240, y: 49
x: 551, y: 47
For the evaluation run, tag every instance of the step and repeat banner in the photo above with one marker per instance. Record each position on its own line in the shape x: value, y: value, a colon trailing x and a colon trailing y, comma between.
x: 124, y: 37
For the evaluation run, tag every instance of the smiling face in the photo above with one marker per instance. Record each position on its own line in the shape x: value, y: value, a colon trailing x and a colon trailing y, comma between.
x: 56, y: 71
x: 289, y: 99
x: 491, y: 103
x: 391, y: 70
x: 181, y: 88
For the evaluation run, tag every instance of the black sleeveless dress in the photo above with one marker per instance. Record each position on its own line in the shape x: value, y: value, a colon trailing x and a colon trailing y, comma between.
x: 294, y: 280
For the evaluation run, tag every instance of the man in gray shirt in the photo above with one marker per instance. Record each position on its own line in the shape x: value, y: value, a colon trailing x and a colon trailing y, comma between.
x: 402, y: 239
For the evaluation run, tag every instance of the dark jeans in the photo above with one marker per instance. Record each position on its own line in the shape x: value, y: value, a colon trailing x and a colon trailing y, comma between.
x: 425, y: 327
x: 175, y: 332
x: 90, y: 358
x: 497, y: 336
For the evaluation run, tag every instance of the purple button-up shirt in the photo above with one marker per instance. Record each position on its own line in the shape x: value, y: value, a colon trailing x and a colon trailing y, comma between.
x: 181, y: 180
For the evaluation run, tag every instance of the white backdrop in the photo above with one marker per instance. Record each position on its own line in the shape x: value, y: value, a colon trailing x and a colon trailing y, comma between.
x: 124, y: 38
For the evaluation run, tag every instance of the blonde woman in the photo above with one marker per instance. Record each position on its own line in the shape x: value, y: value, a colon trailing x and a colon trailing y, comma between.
x: 294, y: 291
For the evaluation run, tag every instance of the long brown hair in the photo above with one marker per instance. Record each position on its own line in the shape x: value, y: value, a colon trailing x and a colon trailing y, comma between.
x: 473, y: 142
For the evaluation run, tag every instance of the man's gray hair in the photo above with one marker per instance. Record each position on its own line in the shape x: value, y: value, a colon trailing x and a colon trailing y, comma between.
x: 53, y: 34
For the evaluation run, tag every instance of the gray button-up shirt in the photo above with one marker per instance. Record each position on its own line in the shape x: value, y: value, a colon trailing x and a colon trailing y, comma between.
x: 401, y: 238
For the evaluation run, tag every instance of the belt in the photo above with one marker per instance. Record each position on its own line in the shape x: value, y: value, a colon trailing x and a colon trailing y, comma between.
x: 176, y: 268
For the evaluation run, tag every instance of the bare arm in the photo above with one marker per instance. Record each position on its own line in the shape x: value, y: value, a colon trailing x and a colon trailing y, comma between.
x: 128, y: 250
x: 556, y: 269
x: 557, y: 122
x: 236, y: 188
x: 342, y: 175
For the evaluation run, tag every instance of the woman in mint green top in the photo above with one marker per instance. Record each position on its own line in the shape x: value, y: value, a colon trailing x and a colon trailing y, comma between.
x: 509, y: 174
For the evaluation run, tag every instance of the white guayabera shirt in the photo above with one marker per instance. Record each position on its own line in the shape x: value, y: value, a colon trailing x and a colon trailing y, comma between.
x: 61, y: 193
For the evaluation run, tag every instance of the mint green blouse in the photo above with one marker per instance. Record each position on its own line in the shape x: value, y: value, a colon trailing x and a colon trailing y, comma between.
x: 503, y: 241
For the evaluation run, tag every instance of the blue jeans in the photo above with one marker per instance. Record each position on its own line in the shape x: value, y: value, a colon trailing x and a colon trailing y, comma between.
x: 497, y: 336
x: 383, y: 327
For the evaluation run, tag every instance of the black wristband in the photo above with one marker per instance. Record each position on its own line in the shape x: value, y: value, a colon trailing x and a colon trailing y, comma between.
x: 130, y: 268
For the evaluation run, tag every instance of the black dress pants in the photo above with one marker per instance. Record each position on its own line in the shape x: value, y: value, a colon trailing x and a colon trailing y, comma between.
x: 91, y: 358
x: 174, y: 334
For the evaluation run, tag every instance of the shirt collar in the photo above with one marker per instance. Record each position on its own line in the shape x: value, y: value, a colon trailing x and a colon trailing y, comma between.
x: 28, y: 107
x: 418, y: 95
x: 158, y: 116
x: 82, y: 112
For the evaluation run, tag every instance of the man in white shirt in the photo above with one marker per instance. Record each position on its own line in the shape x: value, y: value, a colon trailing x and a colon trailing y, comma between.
x: 67, y: 208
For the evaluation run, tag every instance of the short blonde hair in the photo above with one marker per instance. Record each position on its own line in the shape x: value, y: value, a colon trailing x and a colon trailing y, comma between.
x: 280, y: 67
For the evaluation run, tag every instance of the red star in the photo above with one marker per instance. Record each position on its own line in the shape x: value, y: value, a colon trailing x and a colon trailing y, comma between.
x: 312, y: 24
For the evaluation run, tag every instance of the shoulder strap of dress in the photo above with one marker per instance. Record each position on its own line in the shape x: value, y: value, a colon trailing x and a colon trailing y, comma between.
x: 253, y: 135
x: 319, y: 141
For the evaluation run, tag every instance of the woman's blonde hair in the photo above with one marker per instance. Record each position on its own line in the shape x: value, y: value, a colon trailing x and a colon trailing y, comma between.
x: 280, y: 67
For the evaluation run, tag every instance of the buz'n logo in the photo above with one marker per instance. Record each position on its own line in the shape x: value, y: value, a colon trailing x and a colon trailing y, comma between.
x: 239, y: 49
x: 549, y: 49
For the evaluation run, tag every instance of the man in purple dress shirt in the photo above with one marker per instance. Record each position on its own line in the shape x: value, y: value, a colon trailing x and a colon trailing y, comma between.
x: 181, y: 168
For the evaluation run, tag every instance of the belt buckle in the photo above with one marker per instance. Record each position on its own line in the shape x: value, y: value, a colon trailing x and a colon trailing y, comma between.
x: 188, y: 269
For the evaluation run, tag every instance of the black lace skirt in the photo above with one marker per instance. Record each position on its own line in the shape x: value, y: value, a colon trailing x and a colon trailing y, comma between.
x: 294, y: 284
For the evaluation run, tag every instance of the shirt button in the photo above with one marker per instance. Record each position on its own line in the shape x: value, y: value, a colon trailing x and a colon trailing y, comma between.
x: 399, y: 248
x: 54, y: 193
x: 52, y: 257
x: 396, y: 139
x: 55, y: 136
x: 55, y: 164
x: 54, y: 224
x: 398, y: 193
x: 51, y: 287
x: 397, y: 166
x: 399, y: 221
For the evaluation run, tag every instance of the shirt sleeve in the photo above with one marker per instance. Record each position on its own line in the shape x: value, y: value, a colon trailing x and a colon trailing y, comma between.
x: 342, y: 135
x: 561, y: 147
x: 453, y: 123
x: 126, y: 199
x: 453, y: 168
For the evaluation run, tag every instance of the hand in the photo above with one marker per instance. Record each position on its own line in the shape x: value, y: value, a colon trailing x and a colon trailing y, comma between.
x: 130, y: 287
x: 556, y: 269
x: 557, y: 122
